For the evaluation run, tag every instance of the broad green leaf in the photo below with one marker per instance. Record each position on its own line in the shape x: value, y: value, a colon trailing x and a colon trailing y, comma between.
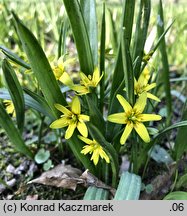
x: 40, y: 66
x: 177, y: 195
x: 180, y: 143
x: 40, y: 106
x: 15, y: 58
x: 16, y: 93
x: 94, y: 193
x: 111, y: 152
x: 90, y: 18
x: 13, y: 133
x: 164, y: 58
x: 80, y: 33
x: 129, y: 187
x: 42, y: 156
x: 160, y: 155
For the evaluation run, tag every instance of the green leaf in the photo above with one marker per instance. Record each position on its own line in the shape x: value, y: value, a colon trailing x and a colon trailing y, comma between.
x: 94, y: 193
x: 177, y: 195
x: 47, y: 165
x: 16, y: 93
x: 111, y: 152
x: 40, y: 66
x: 142, y: 24
x: 13, y: 133
x: 90, y: 18
x: 182, y: 182
x: 96, y: 118
x: 164, y: 58
x: 42, y: 156
x: 37, y: 104
x: 180, y: 143
x: 129, y: 187
x: 80, y: 33
x: 15, y: 58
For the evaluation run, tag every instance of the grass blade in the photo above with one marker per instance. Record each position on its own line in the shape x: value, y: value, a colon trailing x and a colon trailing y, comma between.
x: 177, y: 195
x: 16, y: 93
x: 166, y: 83
x: 13, y: 133
x: 90, y: 18
x: 80, y: 33
x: 40, y: 66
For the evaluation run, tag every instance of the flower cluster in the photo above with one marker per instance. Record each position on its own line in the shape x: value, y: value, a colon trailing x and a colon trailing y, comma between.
x: 72, y: 117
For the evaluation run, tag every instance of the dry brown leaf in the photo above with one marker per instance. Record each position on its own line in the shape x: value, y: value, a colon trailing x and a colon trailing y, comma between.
x: 66, y: 176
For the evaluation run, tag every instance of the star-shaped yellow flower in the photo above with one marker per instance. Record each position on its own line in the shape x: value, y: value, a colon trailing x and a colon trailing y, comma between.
x: 86, y: 82
x: 72, y: 118
x: 133, y: 118
x: 10, y: 107
x: 95, y: 149
x: 58, y: 66
x: 142, y: 85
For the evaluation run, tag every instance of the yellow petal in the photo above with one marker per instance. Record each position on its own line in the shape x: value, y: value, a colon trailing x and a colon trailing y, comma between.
x: 153, y: 97
x: 76, y: 106
x: 70, y: 130
x: 96, y: 75
x: 126, y: 133
x: 63, y: 109
x: 86, y: 140
x: 60, y: 63
x: 87, y: 149
x: 95, y: 156
x: 104, y: 155
x: 119, y: 118
x: 84, y: 117
x: 59, y: 123
x: 149, y: 87
x: 66, y: 79
x: 80, y: 89
x: 84, y: 79
x: 81, y: 126
x: 140, y: 103
x: 126, y: 106
x: 149, y: 117
x: 142, y: 132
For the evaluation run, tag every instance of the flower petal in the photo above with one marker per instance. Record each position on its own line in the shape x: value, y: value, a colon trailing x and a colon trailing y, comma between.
x: 96, y: 75
x: 76, y: 106
x: 119, y: 118
x: 95, y: 156
x: 86, y: 140
x: 149, y: 117
x: 59, y: 123
x: 149, y: 87
x: 153, y: 97
x: 140, y: 103
x: 126, y: 106
x: 84, y: 79
x: 80, y: 89
x: 84, y: 117
x: 63, y: 109
x: 81, y: 126
x: 104, y: 155
x: 142, y: 132
x: 126, y: 133
x: 70, y: 130
x: 87, y: 149
x: 66, y: 79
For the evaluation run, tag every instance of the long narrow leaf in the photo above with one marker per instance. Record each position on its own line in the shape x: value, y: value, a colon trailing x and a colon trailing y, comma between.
x: 13, y: 133
x: 16, y: 93
x: 40, y: 66
x: 90, y: 17
x: 80, y: 33
x: 94, y: 193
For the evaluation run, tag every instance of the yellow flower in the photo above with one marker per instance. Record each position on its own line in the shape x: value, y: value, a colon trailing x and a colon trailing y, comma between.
x: 10, y: 107
x: 72, y: 118
x: 95, y: 149
x: 59, y: 66
x: 133, y: 118
x: 86, y: 82
x: 142, y: 85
